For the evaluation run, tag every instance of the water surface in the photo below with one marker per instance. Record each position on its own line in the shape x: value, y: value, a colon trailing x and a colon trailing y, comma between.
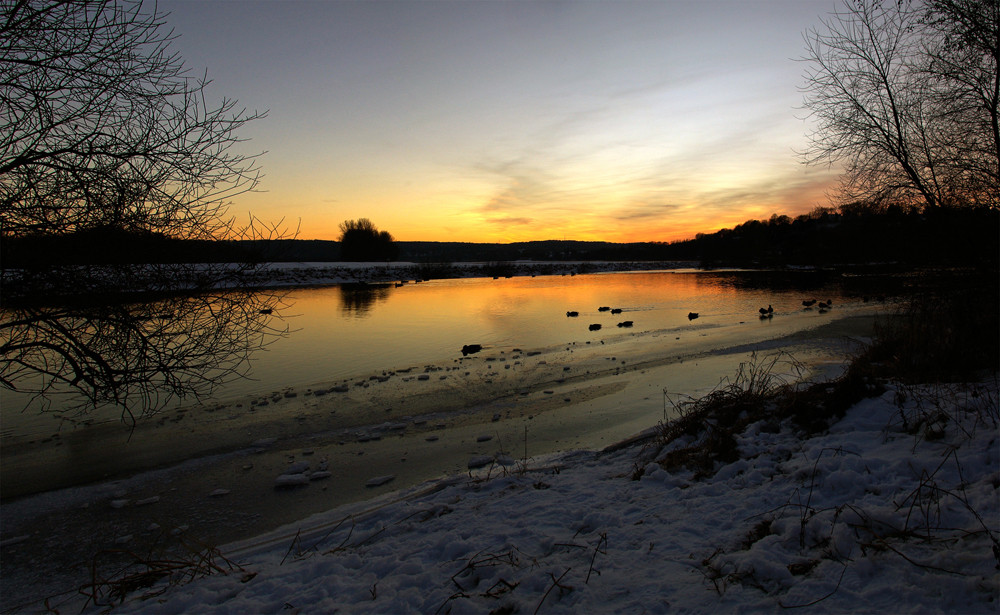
x: 344, y: 332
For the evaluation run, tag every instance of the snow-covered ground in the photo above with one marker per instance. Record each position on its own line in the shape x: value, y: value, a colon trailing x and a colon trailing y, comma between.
x: 895, y: 509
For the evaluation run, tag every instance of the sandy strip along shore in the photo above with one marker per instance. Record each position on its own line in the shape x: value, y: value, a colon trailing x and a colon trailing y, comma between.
x: 412, y: 425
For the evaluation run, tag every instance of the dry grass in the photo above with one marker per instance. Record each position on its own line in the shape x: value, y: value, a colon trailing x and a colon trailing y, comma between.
x: 702, y: 434
x: 152, y: 573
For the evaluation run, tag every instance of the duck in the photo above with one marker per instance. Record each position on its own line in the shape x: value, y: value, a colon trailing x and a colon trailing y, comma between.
x: 692, y: 315
x: 765, y: 311
x: 809, y: 302
x: 471, y: 349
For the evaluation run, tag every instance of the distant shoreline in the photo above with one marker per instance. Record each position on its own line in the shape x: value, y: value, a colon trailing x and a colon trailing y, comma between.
x: 299, y: 274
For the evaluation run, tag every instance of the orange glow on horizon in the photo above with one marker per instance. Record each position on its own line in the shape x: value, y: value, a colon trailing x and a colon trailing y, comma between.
x: 607, y: 215
x: 636, y: 236
x: 654, y: 232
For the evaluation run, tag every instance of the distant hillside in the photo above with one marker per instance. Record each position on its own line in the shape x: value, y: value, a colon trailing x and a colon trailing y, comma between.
x: 850, y: 236
x: 118, y: 247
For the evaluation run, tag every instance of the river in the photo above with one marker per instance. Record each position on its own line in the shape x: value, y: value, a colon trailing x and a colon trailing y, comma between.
x: 322, y: 335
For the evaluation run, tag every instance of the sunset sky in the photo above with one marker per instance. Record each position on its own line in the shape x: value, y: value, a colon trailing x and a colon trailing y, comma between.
x: 515, y: 121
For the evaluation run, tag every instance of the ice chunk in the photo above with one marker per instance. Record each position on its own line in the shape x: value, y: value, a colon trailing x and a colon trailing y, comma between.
x: 297, y: 468
x: 290, y: 480
x: 479, y: 461
x: 379, y: 480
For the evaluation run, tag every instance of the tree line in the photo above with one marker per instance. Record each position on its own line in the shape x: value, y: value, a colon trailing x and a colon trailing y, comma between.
x: 849, y: 235
x: 856, y: 235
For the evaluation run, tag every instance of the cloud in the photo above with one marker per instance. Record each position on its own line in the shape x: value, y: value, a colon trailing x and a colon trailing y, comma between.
x: 520, y: 185
x: 643, y: 210
x: 512, y: 221
x: 645, y: 161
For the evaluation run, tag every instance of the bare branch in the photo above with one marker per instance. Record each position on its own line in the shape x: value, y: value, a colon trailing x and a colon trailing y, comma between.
x: 904, y: 96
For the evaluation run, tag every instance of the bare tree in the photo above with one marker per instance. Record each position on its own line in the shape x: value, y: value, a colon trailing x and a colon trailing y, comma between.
x: 962, y: 59
x: 102, y: 128
x: 101, y: 125
x: 904, y: 96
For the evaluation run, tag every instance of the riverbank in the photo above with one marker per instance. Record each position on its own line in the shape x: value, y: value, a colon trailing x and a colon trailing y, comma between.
x: 868, y: 517
x: 420, y: 424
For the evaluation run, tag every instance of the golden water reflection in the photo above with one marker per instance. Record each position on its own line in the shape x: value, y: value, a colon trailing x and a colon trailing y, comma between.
x: 344, y: 332
x: 350, y: 331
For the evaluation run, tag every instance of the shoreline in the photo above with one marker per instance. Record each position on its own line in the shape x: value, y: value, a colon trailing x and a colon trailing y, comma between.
x: 222, y: 497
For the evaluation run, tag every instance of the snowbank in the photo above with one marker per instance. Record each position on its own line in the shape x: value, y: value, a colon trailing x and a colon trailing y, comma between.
x: 894, y: 509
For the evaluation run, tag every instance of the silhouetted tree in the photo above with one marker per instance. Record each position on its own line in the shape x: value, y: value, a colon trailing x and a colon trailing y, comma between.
x: 100, y: 125
x: 906, y: 96
x: 104, y: 135
x: 360, y: 240
x: 962, y: 60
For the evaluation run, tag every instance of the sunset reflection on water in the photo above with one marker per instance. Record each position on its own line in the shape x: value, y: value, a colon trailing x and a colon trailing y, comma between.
x: 343, y: 332
x: 340, y: 332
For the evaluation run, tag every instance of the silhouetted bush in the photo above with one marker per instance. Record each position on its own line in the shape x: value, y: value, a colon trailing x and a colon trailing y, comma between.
x: 360, y: 240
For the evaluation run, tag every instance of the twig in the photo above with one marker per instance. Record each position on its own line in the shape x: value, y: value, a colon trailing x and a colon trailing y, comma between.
x: 458, y: 594
x: 504, y: 586
x: 555, y: 583
x: 344, y: 541
x: 295, y: 541
x: 882, y: 542
x: 818, y: 600
x: 597, y: 549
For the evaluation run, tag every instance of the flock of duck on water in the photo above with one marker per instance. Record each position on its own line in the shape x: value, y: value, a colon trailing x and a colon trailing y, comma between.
x: 765, y: 313
x: 768, y: 312
x: 604, y: 308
